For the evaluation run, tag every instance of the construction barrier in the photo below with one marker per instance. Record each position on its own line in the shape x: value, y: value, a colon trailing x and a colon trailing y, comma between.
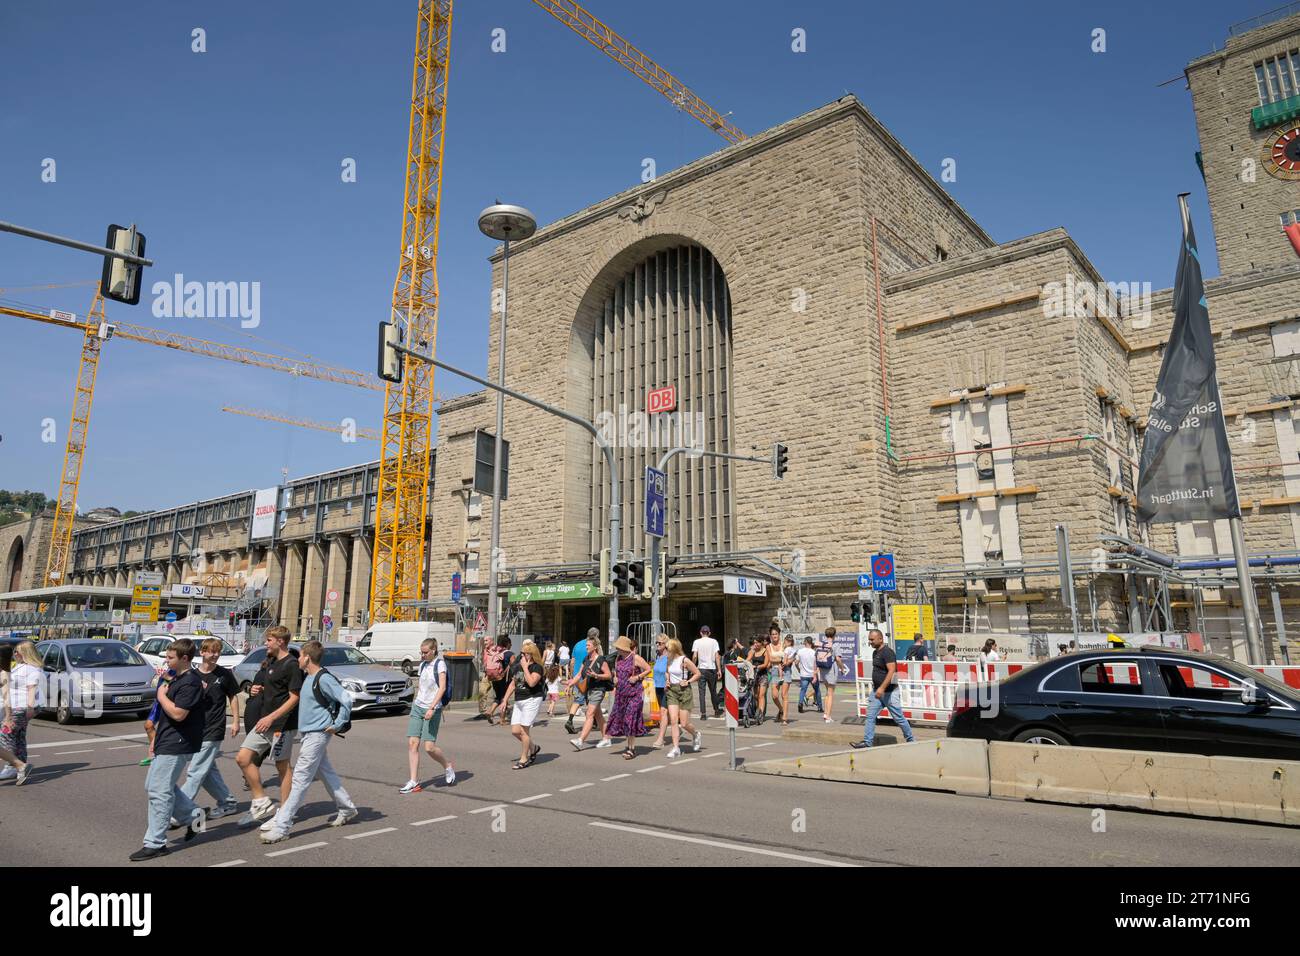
x: 928, y: 689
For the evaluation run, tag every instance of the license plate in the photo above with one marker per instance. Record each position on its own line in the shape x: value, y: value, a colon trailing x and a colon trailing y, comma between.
x: 135, y: 699
x: 392, y: 699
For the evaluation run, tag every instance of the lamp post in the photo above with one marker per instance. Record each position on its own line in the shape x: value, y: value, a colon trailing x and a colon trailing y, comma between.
x: 503, y: 223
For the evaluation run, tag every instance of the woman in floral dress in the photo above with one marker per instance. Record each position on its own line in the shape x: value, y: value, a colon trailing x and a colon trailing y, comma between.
x: 625, y: 716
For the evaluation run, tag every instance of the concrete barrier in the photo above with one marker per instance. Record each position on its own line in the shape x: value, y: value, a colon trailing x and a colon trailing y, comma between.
x: 1233, y: 788
x: 956, y: 766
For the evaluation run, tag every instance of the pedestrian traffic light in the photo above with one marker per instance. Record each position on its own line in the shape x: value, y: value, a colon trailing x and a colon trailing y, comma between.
x: 390, y: 360
x: 232, y: 619
x: 780, y: 460
x: 855, y: 611
x: 605, y: 586
x: 120, y: 280
x: 620, y: 582
x: 636, y: 578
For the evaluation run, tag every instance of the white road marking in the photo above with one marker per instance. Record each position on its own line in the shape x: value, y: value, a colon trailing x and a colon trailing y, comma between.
x: 536, y: 796
x: 84, y: 739
x: 228, y: 863
x: 661, y: 835
x: 768, y: 744
x: 739, y: 749
x: 617, y: 776
x: 658, y: 766
x: 299, y: 849
x: 370, y: 833
x: 126, y: 747
x: 577, y: 786
x: 495, y: 806
x: 64, y: 753
x: 681, y: 760
x: 718, y: 754
x: 420, y: 823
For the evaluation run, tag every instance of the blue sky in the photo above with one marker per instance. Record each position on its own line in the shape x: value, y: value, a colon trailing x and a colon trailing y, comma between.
x: 230, y: 162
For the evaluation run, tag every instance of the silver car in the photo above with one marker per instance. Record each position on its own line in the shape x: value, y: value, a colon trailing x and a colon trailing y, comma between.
x: 371, y: 686
x: 95, y: 677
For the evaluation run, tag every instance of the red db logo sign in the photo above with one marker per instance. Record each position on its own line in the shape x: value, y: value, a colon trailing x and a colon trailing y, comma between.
x: 662, y: 399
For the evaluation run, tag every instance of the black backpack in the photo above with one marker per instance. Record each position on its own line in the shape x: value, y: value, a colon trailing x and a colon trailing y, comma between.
x: 329, y: 703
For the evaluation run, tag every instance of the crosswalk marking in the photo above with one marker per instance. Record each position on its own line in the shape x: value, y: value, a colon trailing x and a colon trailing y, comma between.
x: 578, y: 786
x: 536, y: 796
x: 369, y: 833
x: 420, y: 823
x: 736, y: 847
x: 299, y: 849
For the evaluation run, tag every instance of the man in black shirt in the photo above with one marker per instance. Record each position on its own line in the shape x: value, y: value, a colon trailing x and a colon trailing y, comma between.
x: 271, y: 718
x: 178, y: 735
x: 219, y: 686
x: 917, y: 651
x: 884, y: 691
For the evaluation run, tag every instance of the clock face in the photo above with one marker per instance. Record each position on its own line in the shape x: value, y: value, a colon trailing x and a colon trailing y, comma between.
x: 1282, y: 153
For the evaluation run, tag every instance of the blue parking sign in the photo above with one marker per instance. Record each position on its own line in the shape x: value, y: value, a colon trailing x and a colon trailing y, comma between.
x: 882, y: 573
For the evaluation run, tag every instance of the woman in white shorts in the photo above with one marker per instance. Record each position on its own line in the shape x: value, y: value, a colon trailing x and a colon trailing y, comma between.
x: 528, y: 687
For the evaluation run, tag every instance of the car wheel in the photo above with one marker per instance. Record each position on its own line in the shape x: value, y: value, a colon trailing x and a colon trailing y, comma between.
x: 1043, y: 738
x: 408, y: 668
x: 64, y: 714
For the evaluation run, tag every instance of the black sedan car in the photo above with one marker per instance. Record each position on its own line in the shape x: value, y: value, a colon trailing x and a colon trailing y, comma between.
x: 1138, y: 699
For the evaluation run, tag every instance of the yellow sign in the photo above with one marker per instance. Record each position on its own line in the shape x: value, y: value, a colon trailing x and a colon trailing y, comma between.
x: 145, y: 599
x: 912, y: 619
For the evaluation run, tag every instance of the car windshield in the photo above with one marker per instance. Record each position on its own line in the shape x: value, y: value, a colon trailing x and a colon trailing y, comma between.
x: 339, y: 656
x: 94, y: 654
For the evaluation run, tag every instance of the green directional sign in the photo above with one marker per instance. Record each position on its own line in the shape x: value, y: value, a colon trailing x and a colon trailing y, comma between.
x: 553, y: 592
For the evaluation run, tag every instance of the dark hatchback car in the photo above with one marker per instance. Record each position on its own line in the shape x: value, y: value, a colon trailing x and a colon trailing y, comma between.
x: 1138, y: 699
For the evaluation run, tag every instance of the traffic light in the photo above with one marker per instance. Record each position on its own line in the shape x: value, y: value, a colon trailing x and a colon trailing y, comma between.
x: 390, y: 360
x: 620, y: 581
x: 666, y: 582
x: 120, y: 280
x: 605, y: 586
x: 780, y: 460
x: 636, y: 578
x: 232, y: 620
x: 855, y: 611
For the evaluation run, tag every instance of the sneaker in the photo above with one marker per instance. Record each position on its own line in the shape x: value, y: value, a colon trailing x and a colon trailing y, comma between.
x: 8, y: 773
x: 450, y: 776
x: 860, y: 745
x: 259, y: 811
x: 268, y: 826
x: 827, y: 720
x: 344, y: 816
x: 801, y: 707
x: 675, y: 752
x: 411, y: 786
x: 578, y: 744
x: 604, y: 742
x: 569, y: 728
x: 23, y: 774
x: 147, y: 853
x: 698, y: 742
x: 229, y: 808
x: 173, y: 823
x: 144, y: 763
x: 274, y: 836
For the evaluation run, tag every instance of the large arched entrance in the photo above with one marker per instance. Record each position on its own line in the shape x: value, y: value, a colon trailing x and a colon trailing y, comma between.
x: 14, y: 565
x: 658, y: 314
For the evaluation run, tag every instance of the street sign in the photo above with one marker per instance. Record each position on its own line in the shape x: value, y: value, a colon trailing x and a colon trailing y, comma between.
x: 145, y: 599
x: 553, y: 592
x: 327, y: 622
x: 912, y: 619
x: 455, y: 587
x: 656, y: 490
x: 882, y: 573
x: 187, y: 591
x: 662, y: 399
x: 864, y: 583
x: 148, y: 578
x: 480, y: 621
x: 332, y: 597
x: 485, y: 453
x: 745, y: 587
x: 171, y: 616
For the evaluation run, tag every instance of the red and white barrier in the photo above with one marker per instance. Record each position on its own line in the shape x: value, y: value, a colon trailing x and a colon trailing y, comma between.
x: 928, y: 689
x: 731, y: 684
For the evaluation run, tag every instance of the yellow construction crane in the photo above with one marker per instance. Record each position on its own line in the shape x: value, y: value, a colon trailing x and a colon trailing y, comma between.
x: 96, y: 330
x: 587, y: 26
x: 370, y: 434
x: 397, y: 573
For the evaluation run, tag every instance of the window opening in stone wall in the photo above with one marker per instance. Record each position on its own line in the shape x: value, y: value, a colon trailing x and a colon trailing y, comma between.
x: 1287, y: 218
x: 1278, y: 78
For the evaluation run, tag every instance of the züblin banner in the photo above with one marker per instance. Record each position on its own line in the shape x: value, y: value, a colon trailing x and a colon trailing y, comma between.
x: 1186, y: 469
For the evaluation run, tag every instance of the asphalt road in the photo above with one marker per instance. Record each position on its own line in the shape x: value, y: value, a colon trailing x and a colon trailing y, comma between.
x: 85, y: 806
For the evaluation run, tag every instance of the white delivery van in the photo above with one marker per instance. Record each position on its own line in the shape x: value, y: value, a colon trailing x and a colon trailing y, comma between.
x: 398, y: 642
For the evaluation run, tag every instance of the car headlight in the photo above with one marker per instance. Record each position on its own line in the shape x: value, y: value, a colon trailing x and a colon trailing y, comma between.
x: 87, y: 689
x: 355, y: 686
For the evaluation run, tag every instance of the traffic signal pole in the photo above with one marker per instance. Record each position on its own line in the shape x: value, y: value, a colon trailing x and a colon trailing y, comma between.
x: 655, y: 571
x: 615, y: 505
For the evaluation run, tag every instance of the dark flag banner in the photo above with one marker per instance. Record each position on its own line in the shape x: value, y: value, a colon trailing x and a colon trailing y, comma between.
x: 1186, y: 469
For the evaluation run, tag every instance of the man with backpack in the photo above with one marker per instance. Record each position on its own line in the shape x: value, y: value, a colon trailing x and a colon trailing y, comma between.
x: 496, y: 668
x: 324, y: 710
x: 431, y: 696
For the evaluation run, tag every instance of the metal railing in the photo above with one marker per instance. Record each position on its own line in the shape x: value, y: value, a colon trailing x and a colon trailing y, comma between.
x: 1272, y: 16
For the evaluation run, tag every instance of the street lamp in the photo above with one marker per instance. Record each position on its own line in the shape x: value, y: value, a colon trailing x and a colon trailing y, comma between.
x: 503, y: 223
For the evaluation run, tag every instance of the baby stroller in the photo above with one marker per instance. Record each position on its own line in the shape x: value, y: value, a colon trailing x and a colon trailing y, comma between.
x: 748, y: 703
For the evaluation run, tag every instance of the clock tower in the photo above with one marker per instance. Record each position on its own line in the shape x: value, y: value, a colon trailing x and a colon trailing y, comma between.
x: 1247, y: 103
